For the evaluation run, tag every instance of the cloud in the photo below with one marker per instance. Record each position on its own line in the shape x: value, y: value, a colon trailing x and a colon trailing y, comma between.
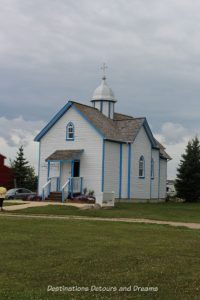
x: 173, y: 133
x: 16, y: 132
x: 51, y: 51
x: 174, y: 137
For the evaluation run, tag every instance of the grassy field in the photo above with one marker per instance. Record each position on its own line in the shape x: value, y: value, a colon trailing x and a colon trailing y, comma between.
x: 184, y: 212
x: 39, y: 253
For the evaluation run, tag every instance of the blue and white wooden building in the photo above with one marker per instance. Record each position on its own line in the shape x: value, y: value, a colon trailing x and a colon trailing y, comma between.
x: 93, y: 147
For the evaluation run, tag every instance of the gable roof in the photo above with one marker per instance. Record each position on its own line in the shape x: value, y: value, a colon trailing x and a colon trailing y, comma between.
x: 120, y: 117
x: 163, y: 153
x: 52, y: 122
x: 122, y: 128
x: 120, y: 131
x: 65, y: 155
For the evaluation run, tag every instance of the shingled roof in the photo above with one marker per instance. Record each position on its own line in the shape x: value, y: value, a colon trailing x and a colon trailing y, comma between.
x: 122, y: 128
x: 163, y: 153
x: 65, y: 155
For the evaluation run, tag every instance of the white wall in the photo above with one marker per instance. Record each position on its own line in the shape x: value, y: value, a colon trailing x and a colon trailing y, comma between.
x: 124, y: 171
x: 86, y: 137
x: 140, y: 187
x: 105, y: 110
x: 154, y: 182
x: 163, y: 178
x: 112, y: 167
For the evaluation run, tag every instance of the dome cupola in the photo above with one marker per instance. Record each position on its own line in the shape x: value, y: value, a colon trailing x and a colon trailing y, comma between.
x: 103, y: 98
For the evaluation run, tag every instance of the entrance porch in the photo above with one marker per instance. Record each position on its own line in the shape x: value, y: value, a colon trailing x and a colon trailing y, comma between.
x: 63, y: 174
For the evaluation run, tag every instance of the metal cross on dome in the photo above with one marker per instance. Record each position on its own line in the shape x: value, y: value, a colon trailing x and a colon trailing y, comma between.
x: 103, y: 68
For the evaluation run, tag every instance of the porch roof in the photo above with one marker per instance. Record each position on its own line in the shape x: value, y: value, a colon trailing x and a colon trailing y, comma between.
x: 65, y: 155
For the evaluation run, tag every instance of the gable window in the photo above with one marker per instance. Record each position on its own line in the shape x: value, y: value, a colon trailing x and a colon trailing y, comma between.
x: 141, y: 167
x: 70, y: 132
x: 152, y: 168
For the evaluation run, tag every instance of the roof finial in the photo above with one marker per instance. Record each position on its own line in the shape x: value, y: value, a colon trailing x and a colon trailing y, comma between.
x: 103, y: 68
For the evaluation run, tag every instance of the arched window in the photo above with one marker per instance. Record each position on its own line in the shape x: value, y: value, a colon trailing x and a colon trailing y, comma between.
x: 152, y: 168
x: 70, y: 132
x: 141, y: 167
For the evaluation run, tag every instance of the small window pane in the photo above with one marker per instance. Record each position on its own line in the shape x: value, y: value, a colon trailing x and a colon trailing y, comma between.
x: 141, y: 167
x: 70, y: 132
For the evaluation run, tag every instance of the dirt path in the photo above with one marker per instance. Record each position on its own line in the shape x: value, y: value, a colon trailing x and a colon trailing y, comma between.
x: 126, y: 220
x: 27, y: 204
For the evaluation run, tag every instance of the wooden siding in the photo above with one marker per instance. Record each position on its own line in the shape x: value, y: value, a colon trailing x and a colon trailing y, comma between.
x: 163, y: 178
x: 124, y: 171
x: 140, y: 187
x: 112, y: 167
x: 155, y: 180
x: 87, y: 138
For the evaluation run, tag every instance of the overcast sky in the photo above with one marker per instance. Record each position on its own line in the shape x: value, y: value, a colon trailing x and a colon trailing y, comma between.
x: 51, y: 51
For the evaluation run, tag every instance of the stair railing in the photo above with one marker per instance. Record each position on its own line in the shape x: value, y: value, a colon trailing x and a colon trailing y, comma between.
x: 65, y: 190
x: 46, y: 189
x: 76, y: 185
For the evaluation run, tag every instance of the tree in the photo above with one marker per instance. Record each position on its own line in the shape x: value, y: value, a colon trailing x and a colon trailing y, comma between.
x: 188, y: 172
x: 24, y: 173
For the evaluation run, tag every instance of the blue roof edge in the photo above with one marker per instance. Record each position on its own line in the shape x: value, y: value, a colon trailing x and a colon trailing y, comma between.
x: 52, y: 121
x: 150, y: 134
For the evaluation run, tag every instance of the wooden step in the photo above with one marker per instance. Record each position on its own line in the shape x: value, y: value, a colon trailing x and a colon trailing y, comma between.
x: 55, y: 193
x: 54, y: 197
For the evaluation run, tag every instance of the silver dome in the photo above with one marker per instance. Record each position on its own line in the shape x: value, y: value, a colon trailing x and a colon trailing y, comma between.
x: 103, y: 92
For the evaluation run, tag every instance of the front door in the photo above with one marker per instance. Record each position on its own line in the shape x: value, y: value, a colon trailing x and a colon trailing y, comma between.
x: 76, y: 168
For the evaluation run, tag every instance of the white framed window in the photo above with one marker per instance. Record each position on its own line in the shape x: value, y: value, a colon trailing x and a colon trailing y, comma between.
x: 70, y: 132
x: 141, y: 167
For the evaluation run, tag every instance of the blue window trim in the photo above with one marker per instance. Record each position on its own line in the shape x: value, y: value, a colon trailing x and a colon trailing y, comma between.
x: 143, y: 176
x: 129, y: 171
x: 103, y: 158
x: 67, y: 131
x: 120, y: 172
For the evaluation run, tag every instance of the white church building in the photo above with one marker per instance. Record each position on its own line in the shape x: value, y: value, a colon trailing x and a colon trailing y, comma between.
x: 94, y: 147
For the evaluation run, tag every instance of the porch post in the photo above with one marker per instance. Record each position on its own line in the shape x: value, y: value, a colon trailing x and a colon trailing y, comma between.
x: 72, y: 186
x: 59, y: 186
x: 81, y: 185
x: 48, y: 173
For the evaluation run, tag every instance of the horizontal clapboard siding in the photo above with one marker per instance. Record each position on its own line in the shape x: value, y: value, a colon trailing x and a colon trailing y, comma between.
x: 86, y: 137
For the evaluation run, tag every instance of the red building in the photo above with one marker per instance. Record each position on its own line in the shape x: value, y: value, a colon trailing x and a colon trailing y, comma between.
x: 6, y: 175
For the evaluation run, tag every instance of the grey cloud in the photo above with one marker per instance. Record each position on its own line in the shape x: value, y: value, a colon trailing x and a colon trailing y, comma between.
x: 51, y: 52
x: 17, y: 131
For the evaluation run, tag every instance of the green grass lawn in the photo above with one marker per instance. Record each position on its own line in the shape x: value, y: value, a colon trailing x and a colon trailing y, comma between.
x: 38, y: 253
x: 184, y: 212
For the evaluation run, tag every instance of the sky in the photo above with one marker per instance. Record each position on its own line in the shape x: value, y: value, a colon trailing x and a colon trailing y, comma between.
x: 51, y: 52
